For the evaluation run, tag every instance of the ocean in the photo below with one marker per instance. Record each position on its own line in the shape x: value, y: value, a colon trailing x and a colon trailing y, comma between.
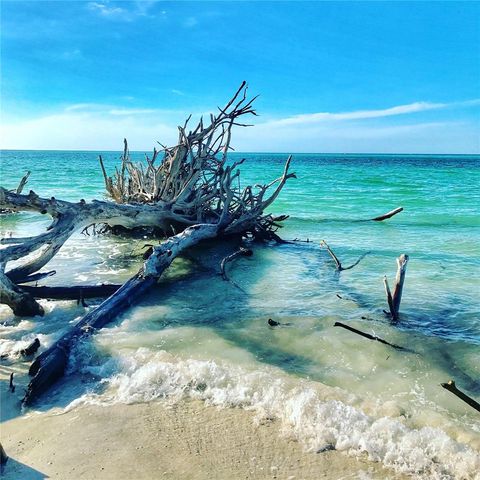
x: 198, y: 336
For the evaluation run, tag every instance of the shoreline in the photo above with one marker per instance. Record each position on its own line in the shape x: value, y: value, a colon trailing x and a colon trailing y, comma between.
x: 187, y: 440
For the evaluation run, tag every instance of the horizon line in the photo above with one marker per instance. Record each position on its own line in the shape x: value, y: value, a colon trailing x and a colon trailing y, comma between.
x: 239, y: 152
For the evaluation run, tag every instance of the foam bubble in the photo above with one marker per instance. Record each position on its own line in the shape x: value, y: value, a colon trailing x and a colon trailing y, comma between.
x: 305, y: 410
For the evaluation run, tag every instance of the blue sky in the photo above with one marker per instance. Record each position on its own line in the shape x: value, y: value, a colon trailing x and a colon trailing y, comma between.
x: 332, y: 77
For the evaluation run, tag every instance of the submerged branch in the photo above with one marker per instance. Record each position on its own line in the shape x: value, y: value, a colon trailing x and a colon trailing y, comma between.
x: 387, y: 215
x: 338, y: 264
x: 72, y: 293
x: 451, y: 387
x: 395, y: 299
x: 245, y: 252
x: 368, y: 335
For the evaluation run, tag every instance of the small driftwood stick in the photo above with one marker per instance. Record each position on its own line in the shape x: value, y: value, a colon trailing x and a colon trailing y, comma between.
x: 339, y: 265
x: 387, y: 215
x: 332, y: 254
x: 36, y: 277
x: 368, y: 335
x: 72, y: 293
x: 3, y: 456
x: 402, y: 261
x: 11, y: 385
x: 245, y: 252
x: 388, y: 293
x: 23, y: 182
x: 395, y: 299
x: 31, y: 349
x: 451, y: 387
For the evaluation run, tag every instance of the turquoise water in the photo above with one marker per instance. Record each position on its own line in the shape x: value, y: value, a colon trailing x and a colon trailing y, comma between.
x: 327, y: 385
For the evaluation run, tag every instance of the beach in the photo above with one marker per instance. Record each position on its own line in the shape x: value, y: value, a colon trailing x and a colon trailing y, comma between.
x: 183, y: 440
x: 193, y: 382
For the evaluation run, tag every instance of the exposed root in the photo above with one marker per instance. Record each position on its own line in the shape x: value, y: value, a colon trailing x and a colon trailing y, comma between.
x: 241, y: 252
x: 338, y: 264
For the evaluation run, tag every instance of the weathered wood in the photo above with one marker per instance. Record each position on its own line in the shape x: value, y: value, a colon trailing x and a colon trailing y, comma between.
x: 368, y: 335
x: 50, y: 365
x: 23, y: 182
x: 388, y: 294
x: 21, y: 302
x: 395, y: 299
x: 36, y: 277
x: 402, y: 261
x: 193, y: 190
x: 385, y: 216
x: 241, y: 252
x: 3, y: 456
x: 72, y: 293
x: 332, y: 254
x: 193, y: 184
x: 338, y: 264
x: 31, y: 348
x: 451, y: 387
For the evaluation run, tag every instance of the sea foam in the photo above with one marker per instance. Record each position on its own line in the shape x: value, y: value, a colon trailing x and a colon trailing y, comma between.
x: 305, y: 411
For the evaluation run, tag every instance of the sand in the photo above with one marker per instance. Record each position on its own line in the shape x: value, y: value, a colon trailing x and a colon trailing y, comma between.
x: 186, y: 440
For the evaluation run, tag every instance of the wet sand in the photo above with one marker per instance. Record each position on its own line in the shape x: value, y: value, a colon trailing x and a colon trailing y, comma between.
x: 186, y: 440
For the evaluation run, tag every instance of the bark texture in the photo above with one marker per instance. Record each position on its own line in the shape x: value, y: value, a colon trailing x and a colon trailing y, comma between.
x: 190, y: 188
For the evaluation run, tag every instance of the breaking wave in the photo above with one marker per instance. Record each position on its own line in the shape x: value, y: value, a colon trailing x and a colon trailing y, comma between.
x: 307, y: 411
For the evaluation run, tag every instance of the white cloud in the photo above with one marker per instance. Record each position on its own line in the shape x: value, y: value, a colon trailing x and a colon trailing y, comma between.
x: 360, y: 137
x: 177, y: 92
x: 79, y: 130
x: 141, y: 8
x: 132, y: 111
x: 360, y: 114
x: 105, y: 10
x: 99, y: 126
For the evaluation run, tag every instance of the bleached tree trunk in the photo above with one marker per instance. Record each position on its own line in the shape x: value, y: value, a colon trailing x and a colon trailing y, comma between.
x: 193, y: 190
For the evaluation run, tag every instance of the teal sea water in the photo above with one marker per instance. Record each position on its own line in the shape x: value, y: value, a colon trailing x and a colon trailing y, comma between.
x: 197, y: 336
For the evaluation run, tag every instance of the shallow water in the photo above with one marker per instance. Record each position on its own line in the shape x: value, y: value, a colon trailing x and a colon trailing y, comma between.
x: 198, y: 336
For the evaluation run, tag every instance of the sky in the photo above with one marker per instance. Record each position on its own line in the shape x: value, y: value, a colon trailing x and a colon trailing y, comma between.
x: 343, y: 77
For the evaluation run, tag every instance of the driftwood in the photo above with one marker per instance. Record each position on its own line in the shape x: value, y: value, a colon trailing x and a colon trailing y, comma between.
x: 368, y: 335
x: 27, y: 351
x: 3, y: 456
x: 23, y: 182
x: 387, y: 215
x: 338, y: 264
x: 31, y: 349
x: 192, y: 190
x: 395, y: 299
x: 241, y: 252
x: 451, y: 387
x: 188, y: 184
x: 11, y: 386
x: 71, y: 293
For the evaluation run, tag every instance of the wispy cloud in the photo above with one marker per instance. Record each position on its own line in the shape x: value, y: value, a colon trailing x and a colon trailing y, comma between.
x: 190, y: 22
x: 100, y: 126
x: 106, y: 10
x: 87, y: 131
x: 122, y: 112
x: 416, y: 107
x: 113, y: 11
x: 360, y: 114
x: 177, y: 92
x: 118, y: 111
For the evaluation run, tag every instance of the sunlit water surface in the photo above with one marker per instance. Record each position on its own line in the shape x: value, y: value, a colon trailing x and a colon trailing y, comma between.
x: 197, y: 336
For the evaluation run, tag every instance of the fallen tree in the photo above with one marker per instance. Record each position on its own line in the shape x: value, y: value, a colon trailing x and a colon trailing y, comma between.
x: 191, y: 189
